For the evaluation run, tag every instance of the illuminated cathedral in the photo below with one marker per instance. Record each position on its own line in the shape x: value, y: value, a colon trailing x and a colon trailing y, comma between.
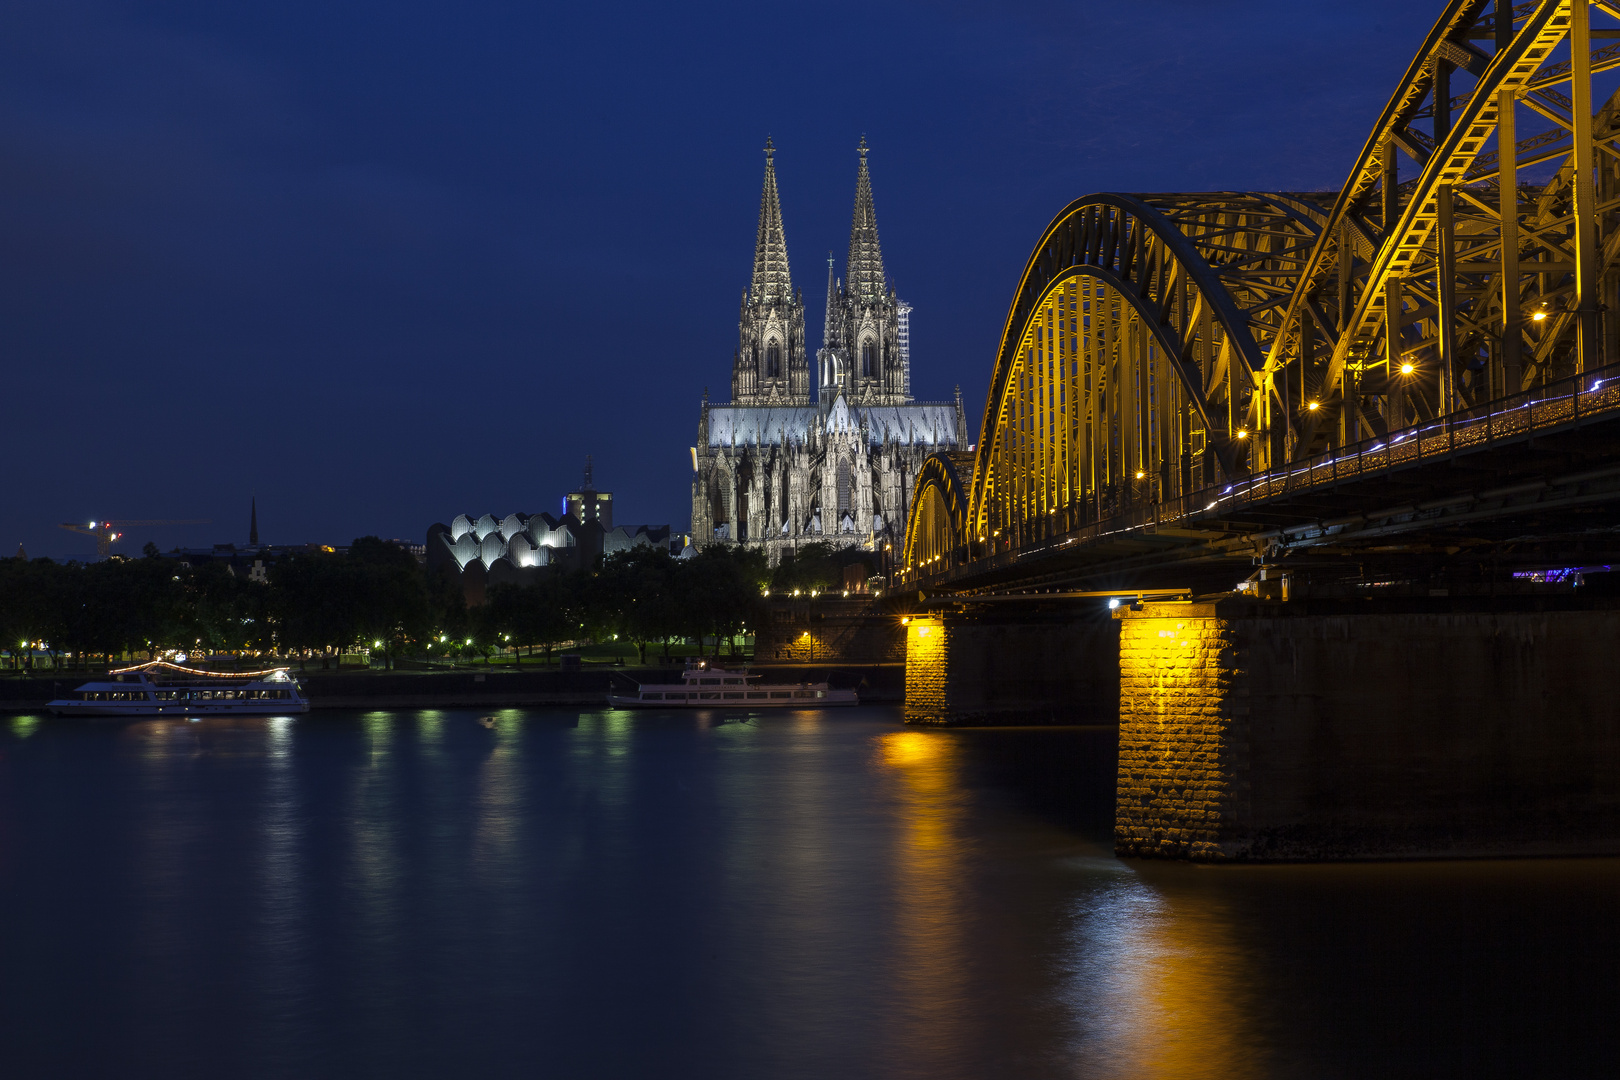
x: 791, y: 460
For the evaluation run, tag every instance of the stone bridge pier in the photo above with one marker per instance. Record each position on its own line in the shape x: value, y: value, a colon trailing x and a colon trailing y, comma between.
x: 986, y: 666
x: 1255, y: 730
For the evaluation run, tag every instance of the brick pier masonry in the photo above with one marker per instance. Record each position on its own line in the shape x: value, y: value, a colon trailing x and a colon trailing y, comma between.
x: 1251, y: 730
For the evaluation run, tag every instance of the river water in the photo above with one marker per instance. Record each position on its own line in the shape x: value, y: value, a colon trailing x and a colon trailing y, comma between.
x: 583, y: 893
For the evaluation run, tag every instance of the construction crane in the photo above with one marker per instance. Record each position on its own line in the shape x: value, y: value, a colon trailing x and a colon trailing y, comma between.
x: 107, y: 533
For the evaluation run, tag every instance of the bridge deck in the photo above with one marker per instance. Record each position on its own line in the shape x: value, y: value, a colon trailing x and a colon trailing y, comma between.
x: 1542, y: 466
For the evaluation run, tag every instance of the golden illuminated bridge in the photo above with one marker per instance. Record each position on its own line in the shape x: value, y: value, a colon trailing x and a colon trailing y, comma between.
x: 1412, y: 377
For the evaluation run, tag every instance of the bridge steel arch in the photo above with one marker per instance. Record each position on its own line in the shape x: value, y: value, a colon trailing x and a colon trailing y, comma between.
x: 1129, y: 355
x: 934, y: 536
x: 1161, y: 345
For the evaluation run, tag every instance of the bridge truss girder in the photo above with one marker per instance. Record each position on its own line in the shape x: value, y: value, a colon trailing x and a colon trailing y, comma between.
x: 1449, y: 273
x: 1161, y: 345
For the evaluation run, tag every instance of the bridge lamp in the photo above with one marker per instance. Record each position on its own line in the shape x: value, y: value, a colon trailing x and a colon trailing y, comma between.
x: 1539, y: 316
x: 1242, y: 433
x: 1112, y: 604
x: 1139, y: 475
x: 1406, y: 369
x: 1313, y: 406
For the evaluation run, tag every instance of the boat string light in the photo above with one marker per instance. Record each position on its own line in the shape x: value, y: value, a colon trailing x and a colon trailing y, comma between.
x: 198, y: 671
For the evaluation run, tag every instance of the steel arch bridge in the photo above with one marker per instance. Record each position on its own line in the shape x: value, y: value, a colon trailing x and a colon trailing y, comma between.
x: 1169, y: 357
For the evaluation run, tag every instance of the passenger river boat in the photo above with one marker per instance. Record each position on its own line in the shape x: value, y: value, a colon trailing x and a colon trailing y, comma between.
x: 160, y: 688
x: 706, y: 687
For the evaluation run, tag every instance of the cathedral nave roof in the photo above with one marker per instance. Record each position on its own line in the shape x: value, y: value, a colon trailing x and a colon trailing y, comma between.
x: 927, y: 423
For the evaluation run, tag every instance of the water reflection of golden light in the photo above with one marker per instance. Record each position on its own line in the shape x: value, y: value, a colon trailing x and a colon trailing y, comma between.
x: 1161, y: 987
x: 904, y: 748
x: 930, y: 863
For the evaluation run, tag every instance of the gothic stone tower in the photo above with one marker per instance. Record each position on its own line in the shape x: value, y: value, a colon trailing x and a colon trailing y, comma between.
x: 862, y: 355
x: 770, y: 366
x: 774, y: 469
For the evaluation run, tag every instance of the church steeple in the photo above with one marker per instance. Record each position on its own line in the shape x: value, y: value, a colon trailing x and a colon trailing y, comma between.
x: 866, y: 355
x: 253, y: 522
x: 770, y: 363
x: 829, y: 326
x: 772, y: 279
x: 865, y: 282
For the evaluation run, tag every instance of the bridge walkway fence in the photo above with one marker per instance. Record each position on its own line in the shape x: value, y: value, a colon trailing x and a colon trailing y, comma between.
x: 1555, y: 405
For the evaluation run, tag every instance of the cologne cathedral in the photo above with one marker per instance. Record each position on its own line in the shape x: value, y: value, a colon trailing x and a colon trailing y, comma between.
x: 789, y: 461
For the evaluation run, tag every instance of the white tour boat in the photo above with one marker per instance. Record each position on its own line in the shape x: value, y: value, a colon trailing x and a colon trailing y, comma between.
x: 705, y: 687
x: 160, y: 688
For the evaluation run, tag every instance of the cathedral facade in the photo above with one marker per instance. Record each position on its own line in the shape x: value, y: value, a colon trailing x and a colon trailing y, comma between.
x: 788, y: 462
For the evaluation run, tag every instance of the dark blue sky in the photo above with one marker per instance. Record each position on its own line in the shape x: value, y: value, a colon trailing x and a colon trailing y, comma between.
x: 381, y: 263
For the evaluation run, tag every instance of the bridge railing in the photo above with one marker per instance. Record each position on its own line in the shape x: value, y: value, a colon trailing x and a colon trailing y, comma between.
x: 1564, y: 402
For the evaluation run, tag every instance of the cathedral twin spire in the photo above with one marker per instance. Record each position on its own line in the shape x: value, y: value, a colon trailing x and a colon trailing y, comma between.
x: 770, y: 366
x: 772, y: 278
x: 866, y: 282
x: 861, y: 354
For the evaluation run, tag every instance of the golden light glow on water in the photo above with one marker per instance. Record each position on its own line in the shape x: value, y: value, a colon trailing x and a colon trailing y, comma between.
x: 931, y: 955
x: 1162, y: 989
x: 1157, y: 984
x: 905, y: 748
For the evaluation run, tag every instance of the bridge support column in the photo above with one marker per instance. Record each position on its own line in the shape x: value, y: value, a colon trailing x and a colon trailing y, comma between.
x: 1001, y: 668
x: 1286, y: 731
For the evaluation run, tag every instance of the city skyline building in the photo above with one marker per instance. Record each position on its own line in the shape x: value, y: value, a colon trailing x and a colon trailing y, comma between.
x: 478, y: 552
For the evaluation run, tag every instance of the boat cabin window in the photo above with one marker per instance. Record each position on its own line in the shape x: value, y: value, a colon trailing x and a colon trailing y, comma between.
x: 733, y: 682
x: 711, y: 682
